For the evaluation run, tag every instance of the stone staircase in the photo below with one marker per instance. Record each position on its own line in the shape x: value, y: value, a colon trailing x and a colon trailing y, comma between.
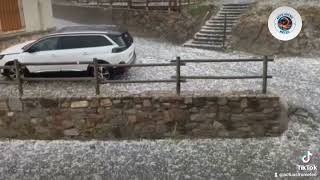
x: 211, y: 35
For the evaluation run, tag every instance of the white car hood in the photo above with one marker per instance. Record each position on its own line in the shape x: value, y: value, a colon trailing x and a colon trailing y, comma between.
x: 16, y: 49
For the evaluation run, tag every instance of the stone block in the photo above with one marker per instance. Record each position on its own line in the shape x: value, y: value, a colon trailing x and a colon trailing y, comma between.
x: 132, y: 119
x: 42, y: 130
x: 116, y: 101
x: 188, y: 100
x: 234, y: 98
x: 71, y: 132
x: 198, y: 118
x: 105, y: 102
x: 147, y: 103
x: 67, y: 124
x: 217, y: 125
x: 224, y: 116
x: 199, y: 101
x: 65, y: 104
x: 94, y: 103
x: 49, y: 103
x: 10, y: 114
x: 222, y: 101
x: 268, y: 110
x: 211, y: 115
x: 130, y: 111
x: 237, y: 117
x: 35, y: 120
x: 178, y: 115
x: 194, y: 110
x: 37, y: 112
x: 15, y: 104
x: 244, y: 103
x: 79, y: 104
x: 3, y: 106
x: 2, y: 123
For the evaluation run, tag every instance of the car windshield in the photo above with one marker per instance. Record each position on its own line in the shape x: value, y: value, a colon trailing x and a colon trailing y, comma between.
x: 26, y: 46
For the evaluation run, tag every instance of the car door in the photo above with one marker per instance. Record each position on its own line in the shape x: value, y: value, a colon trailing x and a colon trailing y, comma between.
x: 42, y: 51
x: 83, y: 48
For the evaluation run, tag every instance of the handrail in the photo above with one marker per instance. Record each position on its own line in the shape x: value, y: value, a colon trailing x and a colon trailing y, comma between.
x: 168, y: 5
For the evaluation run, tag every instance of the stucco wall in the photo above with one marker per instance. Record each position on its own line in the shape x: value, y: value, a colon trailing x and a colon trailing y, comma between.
x: 37, y: 15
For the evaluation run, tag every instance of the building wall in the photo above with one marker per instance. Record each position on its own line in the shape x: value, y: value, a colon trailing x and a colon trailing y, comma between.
x: 37, y: 15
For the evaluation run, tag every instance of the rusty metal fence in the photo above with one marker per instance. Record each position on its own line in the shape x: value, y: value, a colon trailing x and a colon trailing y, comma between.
x: 177, y: 78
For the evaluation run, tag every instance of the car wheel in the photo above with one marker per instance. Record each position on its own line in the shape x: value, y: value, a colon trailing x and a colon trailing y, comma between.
x: 104, y: 73
x: 11, y: 73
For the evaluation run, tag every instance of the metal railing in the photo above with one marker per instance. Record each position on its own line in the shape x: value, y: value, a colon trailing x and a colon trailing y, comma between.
x: 224, y: 31
x: 169, y: 5
x: 177, y: 79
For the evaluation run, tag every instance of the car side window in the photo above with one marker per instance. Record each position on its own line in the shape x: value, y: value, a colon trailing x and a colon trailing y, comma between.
x: 46, y: 44
x: 74, y: 42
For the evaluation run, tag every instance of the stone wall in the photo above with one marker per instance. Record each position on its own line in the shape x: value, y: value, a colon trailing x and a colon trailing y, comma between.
x: 142, y: 116
x: 173, y: 26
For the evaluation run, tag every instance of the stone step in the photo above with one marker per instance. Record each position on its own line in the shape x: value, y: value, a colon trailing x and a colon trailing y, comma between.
x: 228, y: 29
x: 228, y: 16
x: 204, y: 46
x: 220, y: 24
x: 222, y: 18
x: 214, y: 43
x: 236, y: 5
x: 234, y: 8
x: 229, y: 13
x: 211, y: 35
x: 204, y: 31
x: 215, y: 39
x: 208, y: 35
x: 230, y: 21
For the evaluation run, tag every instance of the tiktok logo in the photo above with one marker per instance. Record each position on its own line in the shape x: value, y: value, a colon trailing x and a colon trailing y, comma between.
x: 307, y: 157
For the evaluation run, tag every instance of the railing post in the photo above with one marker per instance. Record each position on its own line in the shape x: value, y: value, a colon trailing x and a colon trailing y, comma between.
x: 265, y: 75
x: 169, y: 5
x: 224, y: 30
x: 180, y: 6
x: 147, y: 5
x: 129, y: 3
x: 18, y: 76
x: 96, y: 76
x: 178, y: 86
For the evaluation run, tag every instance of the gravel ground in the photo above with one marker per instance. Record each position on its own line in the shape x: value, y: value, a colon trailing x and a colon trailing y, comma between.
x: 297, y: 80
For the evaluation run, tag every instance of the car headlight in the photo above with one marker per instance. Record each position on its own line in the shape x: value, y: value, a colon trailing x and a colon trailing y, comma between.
x: 1, y: 56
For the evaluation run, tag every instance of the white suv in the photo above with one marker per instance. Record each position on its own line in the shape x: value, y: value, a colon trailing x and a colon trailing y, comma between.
x: 109, y: 44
